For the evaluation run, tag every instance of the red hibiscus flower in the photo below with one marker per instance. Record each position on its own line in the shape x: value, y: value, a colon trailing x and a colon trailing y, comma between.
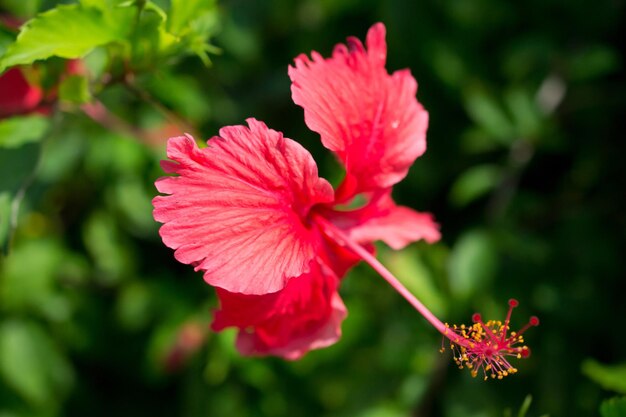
x: 251, y: 212
x: 274, y: 238
x: 21, y: 96
x: 18, y: 95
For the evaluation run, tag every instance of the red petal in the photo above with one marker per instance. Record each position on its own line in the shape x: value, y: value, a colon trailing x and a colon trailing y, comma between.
x: 305, y: 315
x: 382, y: 219
x: 371, y: 119
x: 399, y: 227
x: 237, y: 209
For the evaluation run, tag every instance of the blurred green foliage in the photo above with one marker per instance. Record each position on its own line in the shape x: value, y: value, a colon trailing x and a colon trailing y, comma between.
x: 614, y: 407
x: 524, y: 172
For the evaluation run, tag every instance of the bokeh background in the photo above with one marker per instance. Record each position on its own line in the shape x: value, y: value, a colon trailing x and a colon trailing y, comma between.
x: 524, y: 172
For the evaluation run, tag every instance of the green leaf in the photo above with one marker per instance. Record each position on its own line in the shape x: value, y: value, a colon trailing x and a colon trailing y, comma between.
x: 523, y: 410
x: 489, y: 115
x: 31, y: 364
x: 107, y: 249
x: 5, y: 220
x: 19, y: 130
x: 17, y: 166
x: 474, y: 183
x: 133, y: 201
x: 194, y: 21
x: 134, y: 306
x: 610, y: 377
x: 104, y: 4
x: 28, y: 280
x: 68, y: 31
x: 613, y: 407
x: 150, y: 40
x: 184, y: 12
x: 189, y: 101
x: 447, y: 63
x: 75, y: 89
x: 21, y: 8
x: 593, y: 62
x: 5, y: 40
x: 524, y: 111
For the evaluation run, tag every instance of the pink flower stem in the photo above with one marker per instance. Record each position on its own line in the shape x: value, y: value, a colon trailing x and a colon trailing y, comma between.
x: 344, y: 240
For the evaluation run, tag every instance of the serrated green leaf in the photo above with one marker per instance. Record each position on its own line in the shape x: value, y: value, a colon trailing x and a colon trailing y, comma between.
x: 19, y: 130
x: 610, y: 377
x: 75, y: 89
x: 32, y: 365
x: 474, y: 183
x: 67, y: 31
x: 613, y: 407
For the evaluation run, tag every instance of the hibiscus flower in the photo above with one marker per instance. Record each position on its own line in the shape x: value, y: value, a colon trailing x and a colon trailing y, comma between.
x: 21, y: 95
x: 18, y: 96
x: 274, y: 239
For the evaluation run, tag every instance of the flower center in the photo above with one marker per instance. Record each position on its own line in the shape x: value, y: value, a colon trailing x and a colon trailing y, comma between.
x: 487, y: 347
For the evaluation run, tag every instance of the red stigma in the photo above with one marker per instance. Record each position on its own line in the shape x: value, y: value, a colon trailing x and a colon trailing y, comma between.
x: 488, y: 346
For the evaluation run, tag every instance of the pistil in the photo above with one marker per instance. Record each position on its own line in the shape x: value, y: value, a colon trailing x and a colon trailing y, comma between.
x: 481, y: 346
